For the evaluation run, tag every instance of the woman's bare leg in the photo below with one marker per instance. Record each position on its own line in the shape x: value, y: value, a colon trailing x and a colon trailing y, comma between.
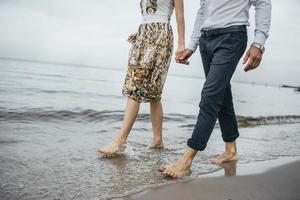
x: 156, y: 111
x: 118, y: 144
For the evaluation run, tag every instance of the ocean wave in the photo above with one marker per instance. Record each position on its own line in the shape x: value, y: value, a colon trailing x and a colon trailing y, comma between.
x: 90, y: 115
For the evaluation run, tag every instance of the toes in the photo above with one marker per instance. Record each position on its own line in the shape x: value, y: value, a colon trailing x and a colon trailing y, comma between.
x: 170, y: 173
x: 215, y: 162
x: 166, y: 171
x: 100, y: 150
x: 173, y: 175
x: 161, y: 168
x: 108, y: 155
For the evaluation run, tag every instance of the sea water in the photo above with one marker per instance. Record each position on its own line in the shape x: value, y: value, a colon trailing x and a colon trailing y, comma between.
x: 53, y: 116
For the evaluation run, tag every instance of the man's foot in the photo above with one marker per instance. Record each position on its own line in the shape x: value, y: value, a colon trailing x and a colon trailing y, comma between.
x: 182, y: 166
x: 112, y: 149
x: 156, y: 145
x: 225, y: 157
x: 178, y: 169
x: 229, y: 155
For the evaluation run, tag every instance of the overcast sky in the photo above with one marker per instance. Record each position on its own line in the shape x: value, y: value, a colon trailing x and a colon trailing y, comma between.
x: 94, y: 32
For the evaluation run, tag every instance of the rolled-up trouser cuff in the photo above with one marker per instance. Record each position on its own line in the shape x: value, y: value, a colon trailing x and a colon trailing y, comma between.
x: 196, y: 145
x: 232, y: 138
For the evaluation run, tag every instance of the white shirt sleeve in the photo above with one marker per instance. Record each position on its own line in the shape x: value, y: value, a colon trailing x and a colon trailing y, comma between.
x: 194, y: 39
x: 263, y: 10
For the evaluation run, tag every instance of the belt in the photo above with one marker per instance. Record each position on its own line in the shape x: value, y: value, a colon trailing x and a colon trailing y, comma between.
x: 155, y: 18
x: 219, y: 31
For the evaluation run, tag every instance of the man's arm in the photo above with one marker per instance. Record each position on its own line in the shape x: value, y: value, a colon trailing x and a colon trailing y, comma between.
x: 262, y: 20
x: 263, y: 10
x: 194, y: 39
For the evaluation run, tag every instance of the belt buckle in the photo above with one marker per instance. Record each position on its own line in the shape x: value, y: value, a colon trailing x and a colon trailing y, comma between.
x: 205, y: 33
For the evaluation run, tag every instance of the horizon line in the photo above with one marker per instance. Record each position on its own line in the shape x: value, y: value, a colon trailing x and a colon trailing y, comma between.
x: 120, y: 69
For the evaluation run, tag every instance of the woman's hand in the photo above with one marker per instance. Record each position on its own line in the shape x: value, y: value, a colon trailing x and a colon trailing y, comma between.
x: 132, y: 38
x: 180, y: 55
x: 179, y: 52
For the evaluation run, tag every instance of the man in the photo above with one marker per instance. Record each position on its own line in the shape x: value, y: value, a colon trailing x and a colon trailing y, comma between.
x: 220, y: 31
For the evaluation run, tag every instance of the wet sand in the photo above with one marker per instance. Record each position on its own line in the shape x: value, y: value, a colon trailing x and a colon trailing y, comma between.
x: 277, y: 183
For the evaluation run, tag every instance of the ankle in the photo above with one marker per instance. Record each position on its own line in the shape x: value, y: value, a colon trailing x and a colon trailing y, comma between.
x: 231, y: 148
x: 189, y: 155
x: 157, y: 140
x: 120, y: 140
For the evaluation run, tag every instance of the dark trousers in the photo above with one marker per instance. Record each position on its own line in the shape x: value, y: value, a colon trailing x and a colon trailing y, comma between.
x: 221, y: 50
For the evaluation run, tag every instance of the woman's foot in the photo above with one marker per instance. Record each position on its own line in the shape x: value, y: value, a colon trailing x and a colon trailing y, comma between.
x: 156, y: 145
x: 115, y: 147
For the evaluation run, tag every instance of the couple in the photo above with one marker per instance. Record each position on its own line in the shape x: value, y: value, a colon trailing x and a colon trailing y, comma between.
x: 220, y: 32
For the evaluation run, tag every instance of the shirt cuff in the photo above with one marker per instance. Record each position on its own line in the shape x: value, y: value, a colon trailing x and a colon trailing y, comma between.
x: 260, y: 38
x: 192, y: 46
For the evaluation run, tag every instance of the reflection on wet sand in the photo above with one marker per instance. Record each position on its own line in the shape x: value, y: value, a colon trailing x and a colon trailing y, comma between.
x: 119, y: 161
x: 229, y: 168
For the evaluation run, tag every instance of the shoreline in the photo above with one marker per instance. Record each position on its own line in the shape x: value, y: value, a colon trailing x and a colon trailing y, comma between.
x: 261, y: 180
x: 51, y: 62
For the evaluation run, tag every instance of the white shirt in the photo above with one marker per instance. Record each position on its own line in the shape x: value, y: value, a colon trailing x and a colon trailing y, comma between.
x: 157, y: 10
x: 224, y: 13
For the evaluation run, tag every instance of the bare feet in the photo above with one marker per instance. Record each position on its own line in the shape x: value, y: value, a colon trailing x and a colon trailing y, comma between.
x: 229, y: 155
x: 178, y: 169
x: 225, y: 157
x: 181, y: 167
x: 112, y: 149
x: 156, y: 145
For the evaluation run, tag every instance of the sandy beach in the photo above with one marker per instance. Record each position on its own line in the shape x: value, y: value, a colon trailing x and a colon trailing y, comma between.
x: 237, y: 183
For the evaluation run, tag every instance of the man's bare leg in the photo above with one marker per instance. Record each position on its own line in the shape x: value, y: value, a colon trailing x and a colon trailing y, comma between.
x: 156, y: 111
x: 118, y: 144
x: 181, y: 167
x: 230, y: 154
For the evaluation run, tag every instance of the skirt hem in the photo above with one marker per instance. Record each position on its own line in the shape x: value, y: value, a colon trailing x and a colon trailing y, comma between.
x: 139, y: 99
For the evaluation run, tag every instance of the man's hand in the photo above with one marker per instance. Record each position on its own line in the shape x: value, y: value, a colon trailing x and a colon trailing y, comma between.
x: 252, y: 58
x: 183, y: 56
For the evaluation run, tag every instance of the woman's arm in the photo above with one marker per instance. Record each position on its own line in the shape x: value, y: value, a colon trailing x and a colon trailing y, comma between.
x: 179, y: 9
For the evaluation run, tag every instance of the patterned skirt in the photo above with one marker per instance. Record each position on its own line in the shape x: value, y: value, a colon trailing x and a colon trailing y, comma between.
x: 149, y: 61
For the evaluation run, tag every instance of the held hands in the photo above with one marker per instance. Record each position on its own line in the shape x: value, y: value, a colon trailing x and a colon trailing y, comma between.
x: 132, y: 38
x: 252, y: 58
x: 182, y: 55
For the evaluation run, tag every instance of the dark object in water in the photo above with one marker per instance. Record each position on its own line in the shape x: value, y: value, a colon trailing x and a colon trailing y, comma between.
x: 297, y: 88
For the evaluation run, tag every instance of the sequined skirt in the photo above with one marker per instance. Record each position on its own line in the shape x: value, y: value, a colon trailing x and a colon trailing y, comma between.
x: 149, y: 61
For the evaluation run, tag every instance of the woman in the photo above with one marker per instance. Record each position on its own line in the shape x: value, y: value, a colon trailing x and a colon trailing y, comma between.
x: 148, y: 64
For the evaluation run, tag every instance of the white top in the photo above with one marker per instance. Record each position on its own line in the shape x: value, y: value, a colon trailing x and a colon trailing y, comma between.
x: 157, y: 10
x: 224, y: 13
